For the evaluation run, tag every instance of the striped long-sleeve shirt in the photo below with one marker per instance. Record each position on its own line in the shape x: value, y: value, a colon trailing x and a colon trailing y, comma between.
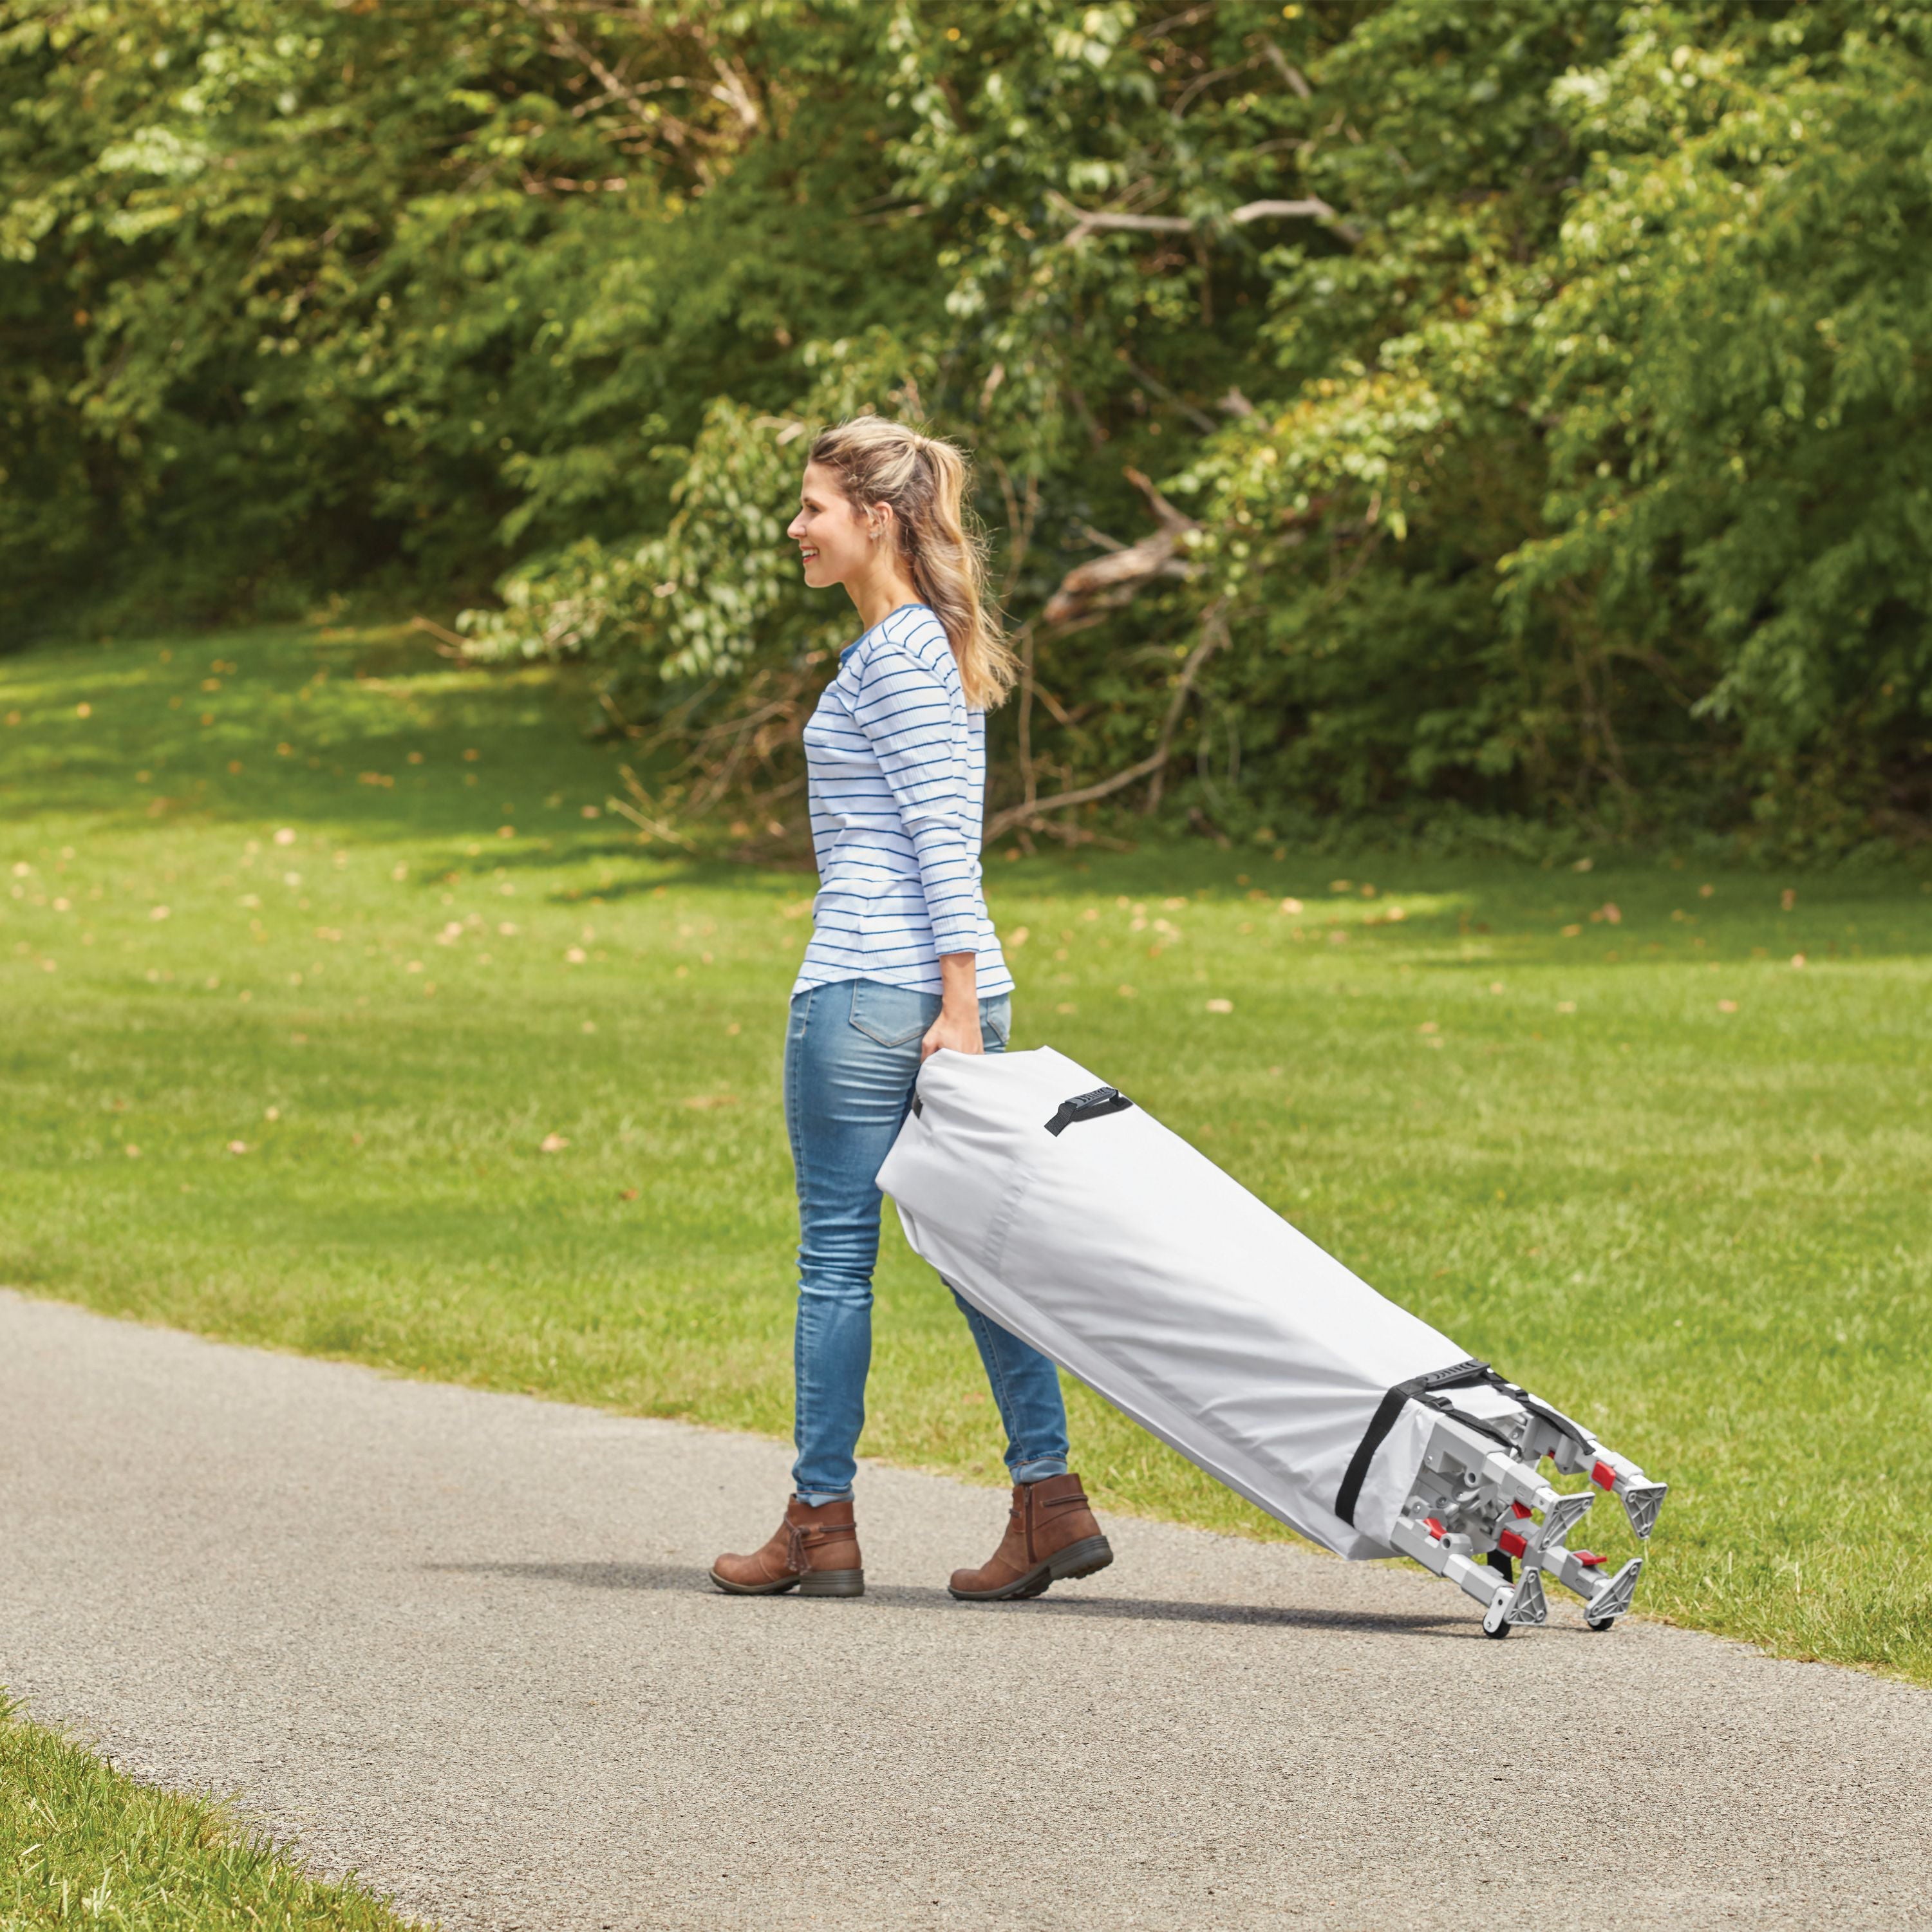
x: 896, y: 771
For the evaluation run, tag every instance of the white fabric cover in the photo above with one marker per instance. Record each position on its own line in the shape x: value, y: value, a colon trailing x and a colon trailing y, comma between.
x: 1131, y: 1259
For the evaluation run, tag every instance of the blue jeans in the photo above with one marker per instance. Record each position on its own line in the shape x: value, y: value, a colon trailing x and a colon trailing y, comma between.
x: 851, y: 1061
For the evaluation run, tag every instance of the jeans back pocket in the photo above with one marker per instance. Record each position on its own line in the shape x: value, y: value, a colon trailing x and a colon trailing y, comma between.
x: 892, y: 1016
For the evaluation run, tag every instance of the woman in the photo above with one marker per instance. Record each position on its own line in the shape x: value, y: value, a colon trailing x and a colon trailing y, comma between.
x: 902, y: 963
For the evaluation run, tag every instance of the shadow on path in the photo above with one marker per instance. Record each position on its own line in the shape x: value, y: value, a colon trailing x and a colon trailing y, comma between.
x: 920, y: 1597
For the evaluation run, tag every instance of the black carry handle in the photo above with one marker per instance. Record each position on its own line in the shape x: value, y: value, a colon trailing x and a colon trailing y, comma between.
x: 1088, y: 1107
x: 1461, y: 1375
x: 1429, y: 1388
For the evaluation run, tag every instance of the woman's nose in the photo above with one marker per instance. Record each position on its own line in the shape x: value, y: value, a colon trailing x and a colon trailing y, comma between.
x: 796, y: 528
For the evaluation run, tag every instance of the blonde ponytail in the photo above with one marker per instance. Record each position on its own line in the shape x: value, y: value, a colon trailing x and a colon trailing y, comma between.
x: 924, y: 480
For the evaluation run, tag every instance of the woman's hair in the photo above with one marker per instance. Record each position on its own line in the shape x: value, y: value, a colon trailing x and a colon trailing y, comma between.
x: 923, y: 480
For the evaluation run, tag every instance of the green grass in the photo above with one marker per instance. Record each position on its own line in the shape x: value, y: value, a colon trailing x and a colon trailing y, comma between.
x: 1642, y: 1161
x: 83, y: 1845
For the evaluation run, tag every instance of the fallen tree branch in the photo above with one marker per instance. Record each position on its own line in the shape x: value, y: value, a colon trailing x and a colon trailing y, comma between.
x: 1117, y: 576
x: 448, y: 643
x: 1087, y: 221
x: 1213, y: 635
x: 645, y: 822
x: 1200, y: 421
x: 1311, y: 206
x: 1178, y: 521
x: 1187, y: 17
x: 1201, y: 83
x: 1297, y: 80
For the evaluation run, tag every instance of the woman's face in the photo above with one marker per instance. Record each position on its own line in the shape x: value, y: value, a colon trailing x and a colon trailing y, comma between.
x: 833, y: 542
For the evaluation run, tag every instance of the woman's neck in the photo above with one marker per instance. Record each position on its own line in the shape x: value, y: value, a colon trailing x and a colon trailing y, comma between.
x: 881, y: 591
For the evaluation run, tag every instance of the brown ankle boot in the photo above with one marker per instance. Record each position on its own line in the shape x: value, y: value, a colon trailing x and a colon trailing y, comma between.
x: 817, y: 1550
x: 1051, y: 1534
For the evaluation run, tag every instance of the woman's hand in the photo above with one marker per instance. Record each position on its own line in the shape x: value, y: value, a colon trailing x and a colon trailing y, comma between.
x: 957, y: 1028
x: 957, y: 1031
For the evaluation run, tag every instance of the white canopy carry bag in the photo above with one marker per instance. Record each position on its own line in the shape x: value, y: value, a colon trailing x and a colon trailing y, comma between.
x: 1074, y: 1219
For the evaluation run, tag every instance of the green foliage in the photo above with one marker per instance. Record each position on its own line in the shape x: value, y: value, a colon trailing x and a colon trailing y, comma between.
x: 1547, y: 379
x: 1736, y: 368
x: 719, y: 589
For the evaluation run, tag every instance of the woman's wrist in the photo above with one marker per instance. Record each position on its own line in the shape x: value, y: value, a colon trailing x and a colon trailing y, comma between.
x: 958, y: 1025
x: 959, y: 983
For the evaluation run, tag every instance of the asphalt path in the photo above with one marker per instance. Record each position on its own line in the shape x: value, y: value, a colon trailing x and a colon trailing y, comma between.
x: 464, y: 1645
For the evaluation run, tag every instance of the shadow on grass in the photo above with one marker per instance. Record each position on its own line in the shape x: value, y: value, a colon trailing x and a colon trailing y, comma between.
x: 373, y: 731
x: 367, y: 732
x: 677, y: 1577
x: 658, y: 866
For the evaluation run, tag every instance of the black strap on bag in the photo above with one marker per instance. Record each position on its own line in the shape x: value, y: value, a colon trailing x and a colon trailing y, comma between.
x: 1082, y: 1107
x: 1088, y: 1107
x: 1428, y: 1388
x: 1458, y: 1375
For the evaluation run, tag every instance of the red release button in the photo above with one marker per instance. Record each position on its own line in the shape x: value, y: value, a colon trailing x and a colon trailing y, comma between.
x: 1521, y: 1509
x: 1589, y: 1559
x: 1434, y: 1528
x: 1510, y: 1544
x: 1604, y: 1476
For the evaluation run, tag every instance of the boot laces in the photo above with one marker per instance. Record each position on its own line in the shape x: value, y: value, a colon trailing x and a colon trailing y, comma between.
x: 802, y: 1537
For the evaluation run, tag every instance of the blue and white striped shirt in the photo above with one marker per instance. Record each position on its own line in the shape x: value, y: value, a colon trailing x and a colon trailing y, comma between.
x: 896, y: 769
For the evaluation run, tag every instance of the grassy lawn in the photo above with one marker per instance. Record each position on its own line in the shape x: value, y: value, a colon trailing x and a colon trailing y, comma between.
x: 81, y: 1845
x: 339, y: 1023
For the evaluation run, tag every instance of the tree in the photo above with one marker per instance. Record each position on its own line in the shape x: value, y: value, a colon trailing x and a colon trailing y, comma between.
x: 1517, y: 409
